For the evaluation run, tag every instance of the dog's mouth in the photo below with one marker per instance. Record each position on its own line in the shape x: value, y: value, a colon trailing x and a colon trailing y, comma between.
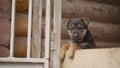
x: 76, y: 40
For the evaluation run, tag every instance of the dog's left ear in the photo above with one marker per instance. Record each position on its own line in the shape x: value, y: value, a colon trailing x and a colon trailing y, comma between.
x: 86, y: 21
x: 66, y: 22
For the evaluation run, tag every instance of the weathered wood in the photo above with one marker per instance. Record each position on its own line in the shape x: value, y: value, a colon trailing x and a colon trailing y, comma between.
x: 111, y: 2
x: 100, y: 31
x: 22, y: 6
x: 21, y: 24
x: 91, y: 10
x: 21, y: 45
x: 4, y: 52
x: 47, y: 29
x: 36, y: 33
x: 29, y: 29
x: 21, y: 65
x: 94, y: 58
x: 20, y: 48
x: 95, y: 11
x: 56, y: 34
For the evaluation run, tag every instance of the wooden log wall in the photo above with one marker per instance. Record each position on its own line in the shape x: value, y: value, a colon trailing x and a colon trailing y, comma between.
x: 21, y: 46
x: 77, y: 8
x: 104, y: 24
x: 101, y: 31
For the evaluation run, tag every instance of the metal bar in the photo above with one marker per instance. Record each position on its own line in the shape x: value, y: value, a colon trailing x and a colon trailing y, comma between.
x: 29, y: 29
x: 35, y: 36
x: 37, y: 26
x: 31, y: 60
x: 46, y: 64
x: 57, y: 33
x: 47, y: 28
x: 12, y: 29
x: 40, y: 28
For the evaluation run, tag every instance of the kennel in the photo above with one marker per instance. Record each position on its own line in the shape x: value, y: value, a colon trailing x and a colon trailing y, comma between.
x: 33, y: 58
x: 91, y: 58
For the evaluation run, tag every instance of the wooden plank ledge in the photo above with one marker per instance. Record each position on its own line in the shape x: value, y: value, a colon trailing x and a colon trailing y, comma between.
x: 94, y: 58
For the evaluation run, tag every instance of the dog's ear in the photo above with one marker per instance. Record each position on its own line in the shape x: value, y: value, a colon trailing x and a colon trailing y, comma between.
x: 66, y: 22
x: 86, y: 21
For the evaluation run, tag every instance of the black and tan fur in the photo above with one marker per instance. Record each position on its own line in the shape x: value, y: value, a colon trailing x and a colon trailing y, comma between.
x: 80, y: 36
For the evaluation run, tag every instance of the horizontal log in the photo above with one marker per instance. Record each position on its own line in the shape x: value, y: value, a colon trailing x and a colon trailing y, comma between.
x: 100, y: 31
x: 111, y: 2
x: 4, y: 52
x: 77, y: 8
x: 93, y: 58
x: 22, y: 6
x: 21, y: 46
x: 21, y: 24
x: 91, y: 10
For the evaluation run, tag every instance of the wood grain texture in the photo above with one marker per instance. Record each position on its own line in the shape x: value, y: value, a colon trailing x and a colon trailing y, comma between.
x: 56, y: 34
x: 101, y: 31
x: 94, y: 58
x: 36, y: 26
x: 81, y: 8
x: 21, y: 46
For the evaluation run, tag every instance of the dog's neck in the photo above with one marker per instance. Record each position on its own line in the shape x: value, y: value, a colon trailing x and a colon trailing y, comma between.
x: 83, y: 45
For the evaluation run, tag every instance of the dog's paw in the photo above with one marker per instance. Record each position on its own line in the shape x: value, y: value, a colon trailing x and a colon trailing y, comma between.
x: 70, y: 54
x: 62, y: 56
x: 64, y: 48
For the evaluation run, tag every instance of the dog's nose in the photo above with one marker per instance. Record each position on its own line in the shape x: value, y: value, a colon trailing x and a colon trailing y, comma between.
x: 75, y: 34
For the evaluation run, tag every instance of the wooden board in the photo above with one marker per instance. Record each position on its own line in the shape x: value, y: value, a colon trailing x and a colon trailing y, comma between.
x: 21, y: 65
x: 94, y: 58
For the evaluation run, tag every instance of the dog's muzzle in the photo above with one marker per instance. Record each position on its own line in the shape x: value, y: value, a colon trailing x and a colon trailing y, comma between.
x: 76, y: 37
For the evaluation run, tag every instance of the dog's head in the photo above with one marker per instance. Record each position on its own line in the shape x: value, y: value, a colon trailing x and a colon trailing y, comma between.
x: 77, y: 29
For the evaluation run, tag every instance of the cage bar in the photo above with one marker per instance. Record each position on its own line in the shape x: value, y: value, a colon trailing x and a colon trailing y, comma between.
x: 12, y: 28
x: 29, y: 29
x: 40, y: 28
x: 37, y: 26
x: 31, y: 60
x: 47, y: 28
x: 57, y: 33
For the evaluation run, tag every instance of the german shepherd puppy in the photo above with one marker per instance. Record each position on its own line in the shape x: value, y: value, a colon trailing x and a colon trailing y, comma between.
x: 80, y: 37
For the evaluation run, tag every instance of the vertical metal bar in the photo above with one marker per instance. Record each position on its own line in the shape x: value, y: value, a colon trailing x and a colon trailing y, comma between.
x: 47, y: 28
x: 57, y: 33
x: 12, y: 28
x: 29, y: 28
x: 46, y: 64
x: 40, y: 28
x: 37, y: 26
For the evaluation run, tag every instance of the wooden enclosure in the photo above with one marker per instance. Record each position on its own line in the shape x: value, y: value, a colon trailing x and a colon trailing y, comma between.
x: 30, y: 51
x: 38, y: 32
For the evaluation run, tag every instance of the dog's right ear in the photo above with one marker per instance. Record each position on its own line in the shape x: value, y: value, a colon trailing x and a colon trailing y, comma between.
x: 66, y: 22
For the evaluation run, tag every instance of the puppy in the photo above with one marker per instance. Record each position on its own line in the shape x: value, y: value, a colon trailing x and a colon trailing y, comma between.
x: 80, y: 37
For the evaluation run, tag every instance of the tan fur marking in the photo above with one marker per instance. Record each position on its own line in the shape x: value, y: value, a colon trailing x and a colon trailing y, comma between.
x: 69, y: 33
x: 86, y: 21
x: 63, y: 50
x: 84, y: 32
x: 73, y: 26
x: 67, y: 22
x: 72, y: 48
